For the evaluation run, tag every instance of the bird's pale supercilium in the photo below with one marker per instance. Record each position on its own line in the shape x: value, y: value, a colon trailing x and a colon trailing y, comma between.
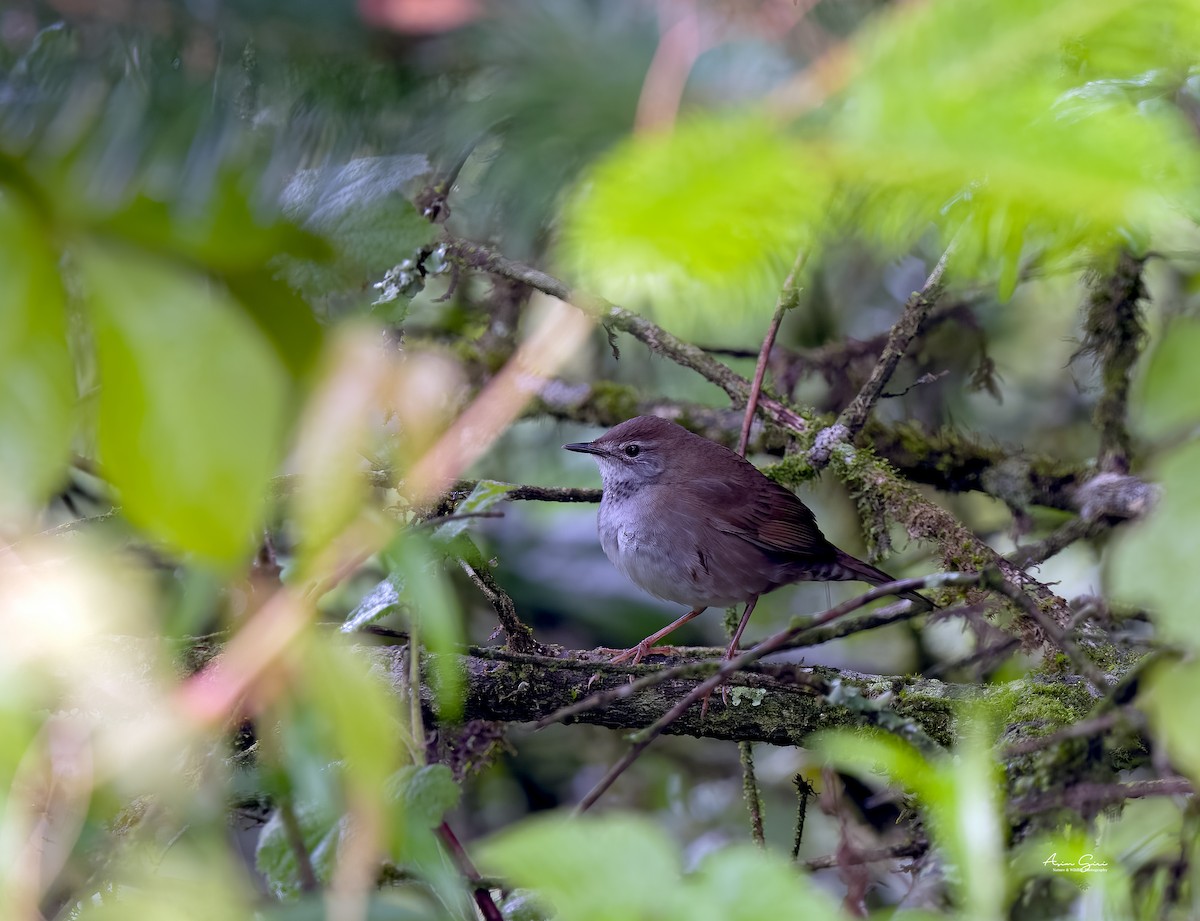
x: 690, y: 521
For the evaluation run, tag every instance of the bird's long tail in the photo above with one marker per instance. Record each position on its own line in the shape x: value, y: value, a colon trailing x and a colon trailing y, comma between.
x: 850, y: 567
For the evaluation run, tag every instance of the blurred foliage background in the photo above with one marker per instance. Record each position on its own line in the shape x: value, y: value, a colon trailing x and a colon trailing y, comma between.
x: 244, y: 363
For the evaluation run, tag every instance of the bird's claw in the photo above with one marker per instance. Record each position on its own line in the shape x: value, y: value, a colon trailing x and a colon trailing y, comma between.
x: 633, y: 655
x: 707, y: 697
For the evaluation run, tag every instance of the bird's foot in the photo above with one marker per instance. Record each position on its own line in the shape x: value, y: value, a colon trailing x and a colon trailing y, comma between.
x: 635, y: 654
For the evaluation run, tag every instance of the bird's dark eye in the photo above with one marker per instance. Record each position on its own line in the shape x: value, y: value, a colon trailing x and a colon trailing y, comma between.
x: 632, y: 450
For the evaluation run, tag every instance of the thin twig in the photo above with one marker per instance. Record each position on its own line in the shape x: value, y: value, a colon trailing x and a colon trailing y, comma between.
x: 1056, y: 541
x: 766, y: 647
x: 517, y: 633
x: 789, y: 297
x: 804, y: 790
x: 854, y: 416
x: 481, y: 893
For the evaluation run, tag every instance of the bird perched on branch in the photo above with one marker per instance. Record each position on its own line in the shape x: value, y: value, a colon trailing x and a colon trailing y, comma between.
x: 690, y: 521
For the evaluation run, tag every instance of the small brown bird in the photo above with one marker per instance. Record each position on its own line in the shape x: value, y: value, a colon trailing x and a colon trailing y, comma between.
x: 690, y: 521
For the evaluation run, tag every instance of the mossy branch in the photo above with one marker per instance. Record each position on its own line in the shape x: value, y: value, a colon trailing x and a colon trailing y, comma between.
x: 764, y: 706
x: 1113, y: 334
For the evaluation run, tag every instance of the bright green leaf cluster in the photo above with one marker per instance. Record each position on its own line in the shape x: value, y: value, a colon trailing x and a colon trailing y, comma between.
x: 1017, y: 128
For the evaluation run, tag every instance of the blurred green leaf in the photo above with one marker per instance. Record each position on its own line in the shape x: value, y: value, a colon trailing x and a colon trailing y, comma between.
x: 191, y: 402
x: 1022, y: 118
x: 360, y: 712
x: 386, y: 907
x: 1152, y: 560
x: 716, y: 209
x: 275, y: 858
x: 744, y: 883
x: 37, y: 379
x: 571, y: 863
x: 427, y: 792
x: 193, y: 880
x: 485, y: 494
x: 964, y: 116
x: 282, y: 315
x: 1170, y: 701
x: 224, y: 235
x: 333, y: 436
x: 414, y: 564
x: 960, y: 795
x: 574, y: 862
x: 1168, y: 395
x: 422, y: 795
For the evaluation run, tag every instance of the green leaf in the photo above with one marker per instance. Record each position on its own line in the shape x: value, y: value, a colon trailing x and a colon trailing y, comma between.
x: 960, y: 796
x: 1168, y: 395
x: 359, y: 711
x: 571, y: 863
x: 609, y: 868
x: 1170, y: 701
x: 282, y: 316
x: 716, y: 209
x: 378, y: 602
x: 1152, y: 561
x: 427, y: 791
x: 37, y: 379
x: 226, y: 235
x: 275, y: 858
x: 743, y: 883
x: 485, y: 494
x: 384, y: 907
x: 413, y: 563
x: 190, y: 406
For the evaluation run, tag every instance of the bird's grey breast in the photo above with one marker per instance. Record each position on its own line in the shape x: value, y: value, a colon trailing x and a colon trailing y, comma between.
x: 660, y: 548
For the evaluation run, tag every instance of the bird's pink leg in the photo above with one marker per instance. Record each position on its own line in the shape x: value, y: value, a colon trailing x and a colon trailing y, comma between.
x: 741, y: 628
x: 732, y: 651
x: 642, y: 649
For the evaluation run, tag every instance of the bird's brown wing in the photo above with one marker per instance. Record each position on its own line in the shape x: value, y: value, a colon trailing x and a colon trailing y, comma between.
x: 766, y: 515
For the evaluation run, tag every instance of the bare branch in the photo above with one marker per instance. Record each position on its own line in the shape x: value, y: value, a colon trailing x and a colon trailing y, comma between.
x: 916, y: 309
x: 517, y: 633
x: 789, y: 297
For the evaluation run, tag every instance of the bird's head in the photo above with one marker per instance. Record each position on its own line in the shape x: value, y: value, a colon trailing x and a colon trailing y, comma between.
x: 638, y: 452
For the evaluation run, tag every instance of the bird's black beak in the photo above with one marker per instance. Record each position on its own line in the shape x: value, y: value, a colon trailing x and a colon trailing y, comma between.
x: 585, y: 447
